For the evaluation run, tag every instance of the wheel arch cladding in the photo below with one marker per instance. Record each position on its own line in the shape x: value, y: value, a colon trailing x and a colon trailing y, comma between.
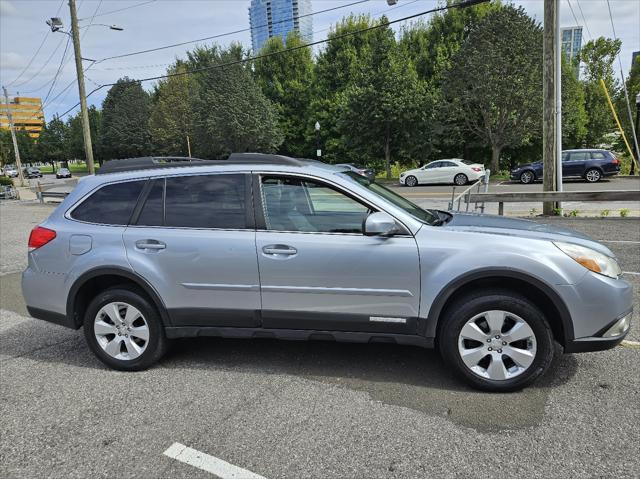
x: 535, y: 290
x: 92, y: 282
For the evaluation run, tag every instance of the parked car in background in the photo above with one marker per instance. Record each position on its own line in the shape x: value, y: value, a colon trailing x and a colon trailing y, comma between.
x: 456, y: 171
x: 592, y: 165
x: 10, y: 171
x: 366, y: 172
x: 261, y: 246
x: 63, y: 173
x: 32, y: 172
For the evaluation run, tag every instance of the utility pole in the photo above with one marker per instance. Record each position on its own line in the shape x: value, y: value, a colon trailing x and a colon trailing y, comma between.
x: 86, y: 130
x: 16, y: 150
x: 548, y: 103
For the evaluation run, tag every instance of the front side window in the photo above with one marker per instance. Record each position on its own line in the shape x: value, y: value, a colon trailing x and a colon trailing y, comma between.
x: 295, y: 204
x: 206, y: 201
x: 110, y: 205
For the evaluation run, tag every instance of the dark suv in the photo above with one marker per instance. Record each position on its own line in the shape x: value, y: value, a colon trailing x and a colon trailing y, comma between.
x: 592, y: 165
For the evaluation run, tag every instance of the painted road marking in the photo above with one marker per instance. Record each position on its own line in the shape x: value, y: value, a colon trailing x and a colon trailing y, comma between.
x: 631, y: 272
x: 630, y: 344
x: 208, y: 463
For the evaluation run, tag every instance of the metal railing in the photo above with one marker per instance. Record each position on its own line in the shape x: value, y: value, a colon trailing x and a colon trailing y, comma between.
x: 482, y: 181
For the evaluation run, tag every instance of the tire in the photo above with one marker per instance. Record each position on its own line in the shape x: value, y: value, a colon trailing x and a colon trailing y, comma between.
x: 460, y: 179
x: 98, y: 327
x: 534, y: 353
x: 527, y: 177
x: 593, y: 175
x: 411, y: 181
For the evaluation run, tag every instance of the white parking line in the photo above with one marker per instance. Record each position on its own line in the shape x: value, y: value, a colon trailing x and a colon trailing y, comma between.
x: 208, y: 463
x: 631, y: 272
x: 630, y: 344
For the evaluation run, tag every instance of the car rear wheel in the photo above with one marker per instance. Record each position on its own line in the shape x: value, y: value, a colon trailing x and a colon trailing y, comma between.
x: 527, y: 177
x: 124, y: 330
x: 460, y: 179
x: 496, y: 340
x: 411, y: 181
x: 593, y: 175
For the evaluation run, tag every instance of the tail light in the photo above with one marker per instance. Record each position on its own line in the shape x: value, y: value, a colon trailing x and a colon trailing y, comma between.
x: 40, y: 236
x: 475, y: 168
x: 615, y: 161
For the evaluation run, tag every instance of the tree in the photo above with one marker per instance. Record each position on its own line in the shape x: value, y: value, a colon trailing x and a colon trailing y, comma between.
x: 494, y: 86
x: 574, y: 115
x: 75, y: 138
x: 125, y: 121
x: 171, y: 120
x: 597, y: 57
x: 53, y: 141
x: 633, y: 89
x: 286, y: 80
x: 231, y: 114
x: 387, y: 108
x: 27, y: 146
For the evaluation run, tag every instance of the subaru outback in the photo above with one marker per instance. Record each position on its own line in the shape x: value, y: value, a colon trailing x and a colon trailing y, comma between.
x: 265, y: 246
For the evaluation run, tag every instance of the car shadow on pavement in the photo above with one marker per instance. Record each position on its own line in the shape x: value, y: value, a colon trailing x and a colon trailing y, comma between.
x: 396, y: 375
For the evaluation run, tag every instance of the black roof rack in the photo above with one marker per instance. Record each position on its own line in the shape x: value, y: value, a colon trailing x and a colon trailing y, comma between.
x: 155, y: 162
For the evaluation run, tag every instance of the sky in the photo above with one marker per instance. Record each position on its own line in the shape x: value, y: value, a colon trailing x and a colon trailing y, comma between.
x: 152, y: 23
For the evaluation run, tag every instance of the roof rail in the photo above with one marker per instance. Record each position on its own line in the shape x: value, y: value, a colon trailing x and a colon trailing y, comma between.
x: 155, y: 162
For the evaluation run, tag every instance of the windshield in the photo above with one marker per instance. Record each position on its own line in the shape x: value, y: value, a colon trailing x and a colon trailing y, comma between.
x: 426, y: 216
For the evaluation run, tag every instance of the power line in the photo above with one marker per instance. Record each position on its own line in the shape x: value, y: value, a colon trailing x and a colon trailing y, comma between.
x: 55, y: 78
x: 33, y: 57
x: 624, y: 83
x: 121, y: 9
x: 584, y: 19
x: 220, y: 35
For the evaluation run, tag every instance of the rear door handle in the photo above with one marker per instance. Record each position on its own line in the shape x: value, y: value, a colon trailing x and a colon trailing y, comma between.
x: 283, y: 249
x: 150, y: 244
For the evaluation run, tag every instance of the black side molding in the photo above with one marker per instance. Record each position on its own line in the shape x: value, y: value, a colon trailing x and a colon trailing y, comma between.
x: 299, y: 335
x: 50, y: 316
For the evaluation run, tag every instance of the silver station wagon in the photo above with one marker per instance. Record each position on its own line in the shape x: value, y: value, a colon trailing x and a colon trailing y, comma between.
x: 266, y: 246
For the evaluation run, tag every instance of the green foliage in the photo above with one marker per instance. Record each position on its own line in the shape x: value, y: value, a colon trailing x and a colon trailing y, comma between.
x: 171, y: 118
x: 574, y: 114
x: 624, y: 212
x: 494, y: 87
x: 75, y: 138
x: 6, y: 148
x: 598, y: 57
x: 231, y: 114
x: 52, y: 143
x: 5, y: 181
x: 573, y: 213
x: 125, y: 121
x: 286, y: 80
x: 605, y: 213
x: 27, y: 146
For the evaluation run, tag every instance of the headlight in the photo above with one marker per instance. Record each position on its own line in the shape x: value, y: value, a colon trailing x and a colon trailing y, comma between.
x: 591, y: 259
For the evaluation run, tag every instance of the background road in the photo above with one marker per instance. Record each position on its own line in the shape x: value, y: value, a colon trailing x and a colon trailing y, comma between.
x: 290, y: 410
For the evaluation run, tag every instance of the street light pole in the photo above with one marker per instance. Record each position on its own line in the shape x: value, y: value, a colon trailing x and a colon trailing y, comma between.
x: 86, y: 130
x: 318, y: 149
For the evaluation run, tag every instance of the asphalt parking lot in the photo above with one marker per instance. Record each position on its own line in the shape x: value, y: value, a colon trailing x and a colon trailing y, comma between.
x: 291, y: 410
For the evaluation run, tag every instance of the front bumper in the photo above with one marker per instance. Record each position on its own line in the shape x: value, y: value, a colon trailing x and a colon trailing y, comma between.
x: 598, y: 342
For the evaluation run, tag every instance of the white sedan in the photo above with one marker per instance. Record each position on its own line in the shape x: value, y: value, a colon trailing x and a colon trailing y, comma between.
x: 454, y: 171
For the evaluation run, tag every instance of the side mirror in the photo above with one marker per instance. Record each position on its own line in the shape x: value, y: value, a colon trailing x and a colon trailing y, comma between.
x: 380, y: 224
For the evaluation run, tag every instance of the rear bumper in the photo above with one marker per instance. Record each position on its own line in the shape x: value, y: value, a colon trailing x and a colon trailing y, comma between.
x: 52, y: 317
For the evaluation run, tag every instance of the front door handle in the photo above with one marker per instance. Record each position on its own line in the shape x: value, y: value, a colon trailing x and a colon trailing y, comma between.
x: 283, y: 249
x: 150, y: 244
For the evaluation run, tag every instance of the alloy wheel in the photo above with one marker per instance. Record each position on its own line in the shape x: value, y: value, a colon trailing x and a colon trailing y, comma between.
x: 121, y: 331
x: 593, y: 176
x: 460, y: 179
x: 497, y: 345
x: 526, y: 177
x: 411, y: 181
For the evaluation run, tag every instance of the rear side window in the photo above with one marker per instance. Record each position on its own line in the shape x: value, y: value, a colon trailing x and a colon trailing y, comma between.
x: 598, y: 155
x: 152, y: 213
x: 110, y: 205
x: 208, y: 201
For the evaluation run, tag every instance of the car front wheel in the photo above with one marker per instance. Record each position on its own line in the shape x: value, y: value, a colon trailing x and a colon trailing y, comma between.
x: 124, y: 330
x: 496, y: 340
x: 411, y: 181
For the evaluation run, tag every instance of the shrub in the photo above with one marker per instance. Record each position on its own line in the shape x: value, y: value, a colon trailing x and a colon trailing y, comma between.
x: 6, y: 181
x: 624, y: 212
